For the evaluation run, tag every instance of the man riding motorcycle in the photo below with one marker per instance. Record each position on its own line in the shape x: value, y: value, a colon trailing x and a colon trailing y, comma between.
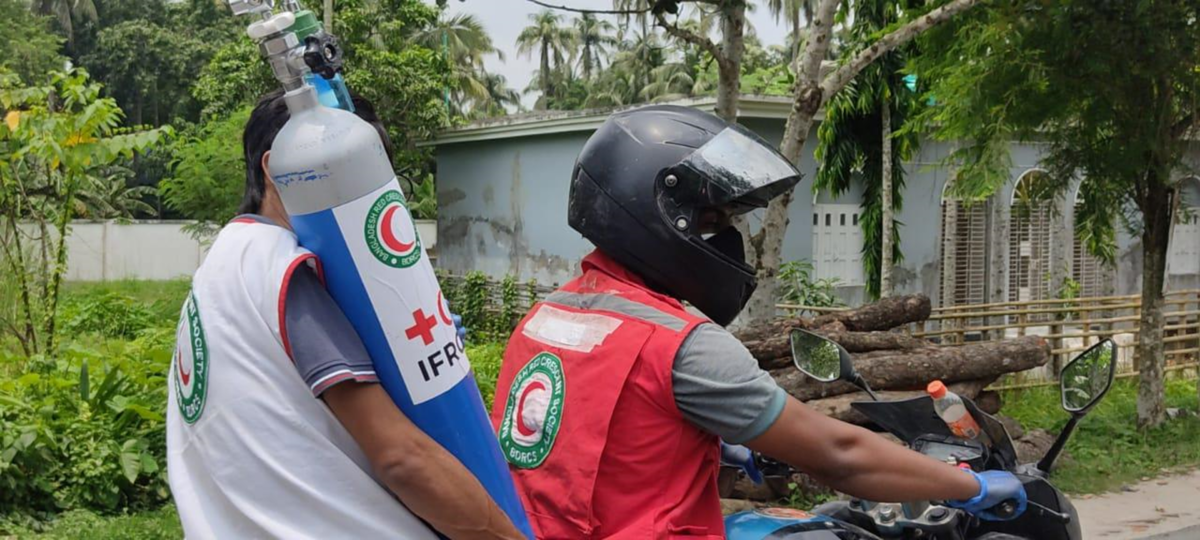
x: 613, y: 396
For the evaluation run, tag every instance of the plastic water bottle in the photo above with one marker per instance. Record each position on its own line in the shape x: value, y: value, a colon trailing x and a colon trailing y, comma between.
x: 950, y: 408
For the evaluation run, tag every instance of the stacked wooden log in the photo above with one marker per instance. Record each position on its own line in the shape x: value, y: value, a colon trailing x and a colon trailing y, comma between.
x: 894, y: 363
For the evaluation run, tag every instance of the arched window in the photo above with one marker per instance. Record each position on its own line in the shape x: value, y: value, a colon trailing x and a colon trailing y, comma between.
x: 964, y: 252
x: 1029, y: 239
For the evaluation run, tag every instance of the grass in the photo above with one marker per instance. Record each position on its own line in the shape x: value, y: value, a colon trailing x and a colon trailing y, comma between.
x: 161, y: 524
x: 1107, y: 450
x: 162, y: 298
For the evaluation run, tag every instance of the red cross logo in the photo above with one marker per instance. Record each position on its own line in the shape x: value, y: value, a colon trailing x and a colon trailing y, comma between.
x: 422, y: 326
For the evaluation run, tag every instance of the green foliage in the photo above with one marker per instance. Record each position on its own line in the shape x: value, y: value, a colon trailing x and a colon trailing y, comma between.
x: 774, y: 80
x: 1108, y: 451
x: 232, y: 80
x: 58, y: 144
x: 209, y: 172
x: 31, y: 50
x: 109, y: 315
x: 86, y: 430
x: 850, y: 145
x: 486, y: 359
x: 490, y: 309
x: 406, y: 88
x: 160, y: 524
x: 161, y: 299
x: 798, y: 287
x: 1108, y: 89
x: 422, y: 198
x: 147, y: 68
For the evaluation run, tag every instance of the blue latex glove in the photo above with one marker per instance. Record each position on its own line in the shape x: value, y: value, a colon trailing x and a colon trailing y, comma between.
x: 459, y: 328
x: 735, y: 455
x: 995, y: 487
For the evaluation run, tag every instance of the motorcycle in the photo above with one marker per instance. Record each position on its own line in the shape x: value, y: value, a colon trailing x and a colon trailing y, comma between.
x: 1049, y: 514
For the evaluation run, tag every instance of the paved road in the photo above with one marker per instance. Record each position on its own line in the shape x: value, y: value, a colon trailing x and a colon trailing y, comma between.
x: 1166, y: 508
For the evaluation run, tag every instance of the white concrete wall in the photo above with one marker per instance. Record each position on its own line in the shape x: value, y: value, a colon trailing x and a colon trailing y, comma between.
x: 101, y: 251
x: 156, y: 250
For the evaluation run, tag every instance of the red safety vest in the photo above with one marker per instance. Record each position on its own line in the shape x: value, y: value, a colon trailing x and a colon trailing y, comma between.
x: 586, y: 415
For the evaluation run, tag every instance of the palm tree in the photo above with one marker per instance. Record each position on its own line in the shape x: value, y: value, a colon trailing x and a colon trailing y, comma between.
x: 462, y: 37
x: 553, y: 43
x: 856, y: 140
x: 594, y: 40
x: 793, y: 10
x: 499, y: 97
x: 465, y: 42
x: 672, y: 81
x: 66, y: 11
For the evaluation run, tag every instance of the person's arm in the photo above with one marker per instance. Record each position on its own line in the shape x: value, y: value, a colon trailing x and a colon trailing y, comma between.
x: 720, y: 388
x: 335, y: 365
x: 853, y: 460
x: 422, y: 474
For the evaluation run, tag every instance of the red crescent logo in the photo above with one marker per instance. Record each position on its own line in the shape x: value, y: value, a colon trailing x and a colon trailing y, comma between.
x: 442, y: 311
x: 185, y: 376
x: 524, y: 431
x: 389, y: 238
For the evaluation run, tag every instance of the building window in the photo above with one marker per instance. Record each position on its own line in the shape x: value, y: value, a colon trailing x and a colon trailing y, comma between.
x: 964, y: 253
x: 1183, y: 257
x: 1029, y: 239
x: 837, y: 246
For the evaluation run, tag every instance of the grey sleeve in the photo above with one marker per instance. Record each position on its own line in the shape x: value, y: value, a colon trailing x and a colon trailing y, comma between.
x: 325, y: 348
x: 720, y: 388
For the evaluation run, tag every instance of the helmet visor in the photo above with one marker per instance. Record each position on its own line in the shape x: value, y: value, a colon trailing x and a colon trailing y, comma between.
x: 743, y: 171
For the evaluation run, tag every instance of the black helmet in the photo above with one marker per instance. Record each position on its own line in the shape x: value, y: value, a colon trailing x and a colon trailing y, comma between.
x: 652, y: 189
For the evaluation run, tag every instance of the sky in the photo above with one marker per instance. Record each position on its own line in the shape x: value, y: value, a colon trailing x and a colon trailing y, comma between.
x: 504, y: 20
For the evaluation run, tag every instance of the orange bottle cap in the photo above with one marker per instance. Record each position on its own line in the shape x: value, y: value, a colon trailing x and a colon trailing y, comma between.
x: 936, y: 389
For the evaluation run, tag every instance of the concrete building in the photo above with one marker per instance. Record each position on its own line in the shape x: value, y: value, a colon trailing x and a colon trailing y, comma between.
x: 502, y: 208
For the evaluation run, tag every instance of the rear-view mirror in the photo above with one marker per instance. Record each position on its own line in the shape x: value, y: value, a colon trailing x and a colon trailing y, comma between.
x: 818, y: 357
x: 1087, y: 377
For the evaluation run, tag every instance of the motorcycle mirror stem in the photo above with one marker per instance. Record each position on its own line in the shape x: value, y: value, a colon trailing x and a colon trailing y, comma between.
x: 857, y: 380
x: 1047, y: 461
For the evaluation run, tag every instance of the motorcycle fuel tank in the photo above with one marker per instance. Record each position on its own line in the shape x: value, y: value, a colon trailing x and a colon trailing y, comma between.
x: 789, y: 524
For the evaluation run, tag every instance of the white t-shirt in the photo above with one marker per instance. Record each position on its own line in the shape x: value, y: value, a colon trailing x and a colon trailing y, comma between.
x: 250, y: 452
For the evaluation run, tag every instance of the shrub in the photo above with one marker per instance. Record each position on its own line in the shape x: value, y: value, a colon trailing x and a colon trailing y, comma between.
x: 85, y: 430
x: 485, y: 363
x: 107, y: 314
x: 797, y: 286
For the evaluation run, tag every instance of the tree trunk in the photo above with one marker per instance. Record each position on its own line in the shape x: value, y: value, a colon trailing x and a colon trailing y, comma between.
x: 914, y: 369
x: 885, y: 314
x: 1000, y: 234
x: 328, y: 5
x: 775, y: 352
x: 1156, y: 230
x: 20, y: 268
x: 545, y: 70
x: 60, y: 266
x: 885, y: 258
x: 809, y: 94
x: 729, y: 66
x: 839, y: 407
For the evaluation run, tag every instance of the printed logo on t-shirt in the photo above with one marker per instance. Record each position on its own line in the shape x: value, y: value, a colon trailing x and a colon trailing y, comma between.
x: 191, y: 363
x: 390, y: 231
x: 533, y: 412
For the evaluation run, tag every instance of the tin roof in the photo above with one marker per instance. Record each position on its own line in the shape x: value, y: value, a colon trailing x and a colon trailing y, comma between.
x: 550, y: 122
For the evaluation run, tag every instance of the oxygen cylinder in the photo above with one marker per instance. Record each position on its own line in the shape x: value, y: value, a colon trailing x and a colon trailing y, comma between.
x: 346, y: 206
